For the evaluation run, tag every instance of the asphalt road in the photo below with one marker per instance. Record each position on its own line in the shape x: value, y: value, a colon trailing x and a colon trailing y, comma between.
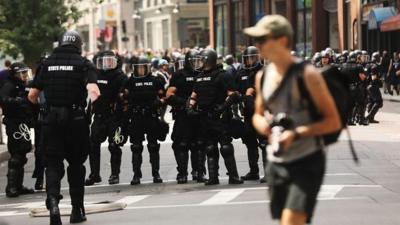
x: 368, y: 193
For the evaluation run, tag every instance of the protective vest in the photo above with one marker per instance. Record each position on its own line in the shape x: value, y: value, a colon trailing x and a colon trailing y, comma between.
x: 209, y: 90
x: 143, y: 91
x: 110, y: 84
x: 64, y: 77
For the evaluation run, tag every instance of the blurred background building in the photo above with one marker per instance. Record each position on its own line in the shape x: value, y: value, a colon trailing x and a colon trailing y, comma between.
x: 340, y: 24
x: 127, y: 25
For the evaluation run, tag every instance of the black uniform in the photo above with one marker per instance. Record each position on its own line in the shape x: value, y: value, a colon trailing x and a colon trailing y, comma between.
x: 245, y: 79
x: 63, y: 80
x: 185, y: 127
x: 375, y: 101
x: 109, y: 122
x: 211, y: 88
x: 357, y: 90
x: 18, y: 119
x: 143, y: 97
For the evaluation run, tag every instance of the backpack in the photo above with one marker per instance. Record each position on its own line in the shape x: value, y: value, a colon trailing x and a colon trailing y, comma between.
x: 339, y: 88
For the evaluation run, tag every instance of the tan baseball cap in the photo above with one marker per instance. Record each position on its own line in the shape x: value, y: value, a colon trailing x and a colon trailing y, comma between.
x: 271, y: 25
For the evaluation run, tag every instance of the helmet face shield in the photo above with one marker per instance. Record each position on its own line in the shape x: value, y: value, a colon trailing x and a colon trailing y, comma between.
x: 140, y: 70
x: 250, y: 61
x: 106, y: 62
x: 24, y: 74
x: 197, y: 63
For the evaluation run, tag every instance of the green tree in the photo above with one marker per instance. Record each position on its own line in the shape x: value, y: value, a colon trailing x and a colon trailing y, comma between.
x: 29, y: 27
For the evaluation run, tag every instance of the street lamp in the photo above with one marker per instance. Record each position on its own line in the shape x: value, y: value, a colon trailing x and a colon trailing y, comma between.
x: 158, y: 11
x: 136, y: 15
x: 176, y: 9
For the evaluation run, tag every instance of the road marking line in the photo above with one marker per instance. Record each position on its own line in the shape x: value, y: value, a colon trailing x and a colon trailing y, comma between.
x: 223, y: 197
x: 128, y: 200
x: 31, y: 205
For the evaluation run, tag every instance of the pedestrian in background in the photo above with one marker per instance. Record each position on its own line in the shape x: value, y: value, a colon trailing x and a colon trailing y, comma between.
x: 296, y: 169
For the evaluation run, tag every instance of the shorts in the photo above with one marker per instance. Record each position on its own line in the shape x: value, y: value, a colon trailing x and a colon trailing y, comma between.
x: 296, y: 185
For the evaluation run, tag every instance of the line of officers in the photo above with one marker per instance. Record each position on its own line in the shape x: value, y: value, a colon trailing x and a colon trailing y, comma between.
x: 365, y: 75
x: 210, y: 107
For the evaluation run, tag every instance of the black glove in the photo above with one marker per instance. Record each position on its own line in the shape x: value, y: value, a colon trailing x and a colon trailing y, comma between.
x: 176, y: 101
x: 191, y: 111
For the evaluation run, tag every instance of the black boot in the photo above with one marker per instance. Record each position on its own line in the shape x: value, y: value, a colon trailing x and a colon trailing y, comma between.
x: 212, y: 162
x: 183, y: 158
x: 135, y: 180
x: 251, y: 176
x: 52, y: 206
x: 230, y: 163
x: 39, y: 184
x: 115, y: 162
x: 94, y: 161
x: 114, y: 179
x: 154, y: 150
x: 77, y: 213
x: 201, y: 168
x: 92, y: 179
x: 137, y: 149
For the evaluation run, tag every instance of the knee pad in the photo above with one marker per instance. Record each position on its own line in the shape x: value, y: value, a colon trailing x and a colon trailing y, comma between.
x: 114, y: 148
x: 137, y: 148
x: 211, y: 150
x: 153, y: 147
x: 17, y: 161
x: 226, y: 150
x: 182, y: 146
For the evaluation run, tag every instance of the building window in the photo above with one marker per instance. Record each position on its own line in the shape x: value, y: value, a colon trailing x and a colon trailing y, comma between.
x: 163, y: 2
x: 258, y: 9
x: 165, y: 33
x: 238, y: 26
x: 304, y: 27
x: 279, y: 7
x: 149, y: 29
x: 148, y: 3
x: 155, y: 3
x: 196, y: 1
x: 221, y: 31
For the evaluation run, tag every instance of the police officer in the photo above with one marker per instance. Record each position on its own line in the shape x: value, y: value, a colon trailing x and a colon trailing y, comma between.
x: 244, y: 81
x: 108, y: 116
x: 144, y: 93
x: 374, y: 94
x: 355, y: 73
x: 18, y: 118
x: 185, y: 127
x: 212, y: 95
x: 66, y: 79
x: 38, y: 172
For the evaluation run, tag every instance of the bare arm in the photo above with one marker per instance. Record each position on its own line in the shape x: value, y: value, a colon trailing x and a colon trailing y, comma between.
x: 193, y: 98
x: 259, y: 120
x: 33, y: 95
x: 324, y: 103
x: 171, y: 91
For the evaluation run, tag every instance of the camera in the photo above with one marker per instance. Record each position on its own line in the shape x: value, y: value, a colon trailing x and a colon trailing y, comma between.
x: 279, y: 124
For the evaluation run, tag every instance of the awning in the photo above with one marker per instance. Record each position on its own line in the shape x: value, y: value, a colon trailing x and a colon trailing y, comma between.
x: 377, y: 15
x: 391, y: 24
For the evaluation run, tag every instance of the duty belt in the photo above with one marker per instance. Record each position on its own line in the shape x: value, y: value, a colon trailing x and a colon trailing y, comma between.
x: 143, y: 111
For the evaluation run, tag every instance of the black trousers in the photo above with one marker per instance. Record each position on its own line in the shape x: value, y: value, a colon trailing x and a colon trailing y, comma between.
x: 142, y: 127
x: 18, y: 144
x: 184, y: 137
x: 38, y: 172
x: 66, y: 140
x: 214, y: 131
x: 109, y: 127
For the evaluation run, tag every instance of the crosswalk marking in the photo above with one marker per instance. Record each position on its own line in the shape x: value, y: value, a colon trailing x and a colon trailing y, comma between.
x: 128, y: 200
x: 223, y: 197
x: 219, y: 197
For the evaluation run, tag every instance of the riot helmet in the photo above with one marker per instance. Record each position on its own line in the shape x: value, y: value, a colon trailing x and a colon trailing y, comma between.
x: 180, y: 63
x: 229, y: 59
x: 352, y: 57
x: 208, y: 59
x: 141, y: 67
x: 106, y: 60
x: 375, y: 56
x: 250, y: 57
x: 220, y: 59
x: 71, y: 38
x: 20, y: 71
x: 193, y: 59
